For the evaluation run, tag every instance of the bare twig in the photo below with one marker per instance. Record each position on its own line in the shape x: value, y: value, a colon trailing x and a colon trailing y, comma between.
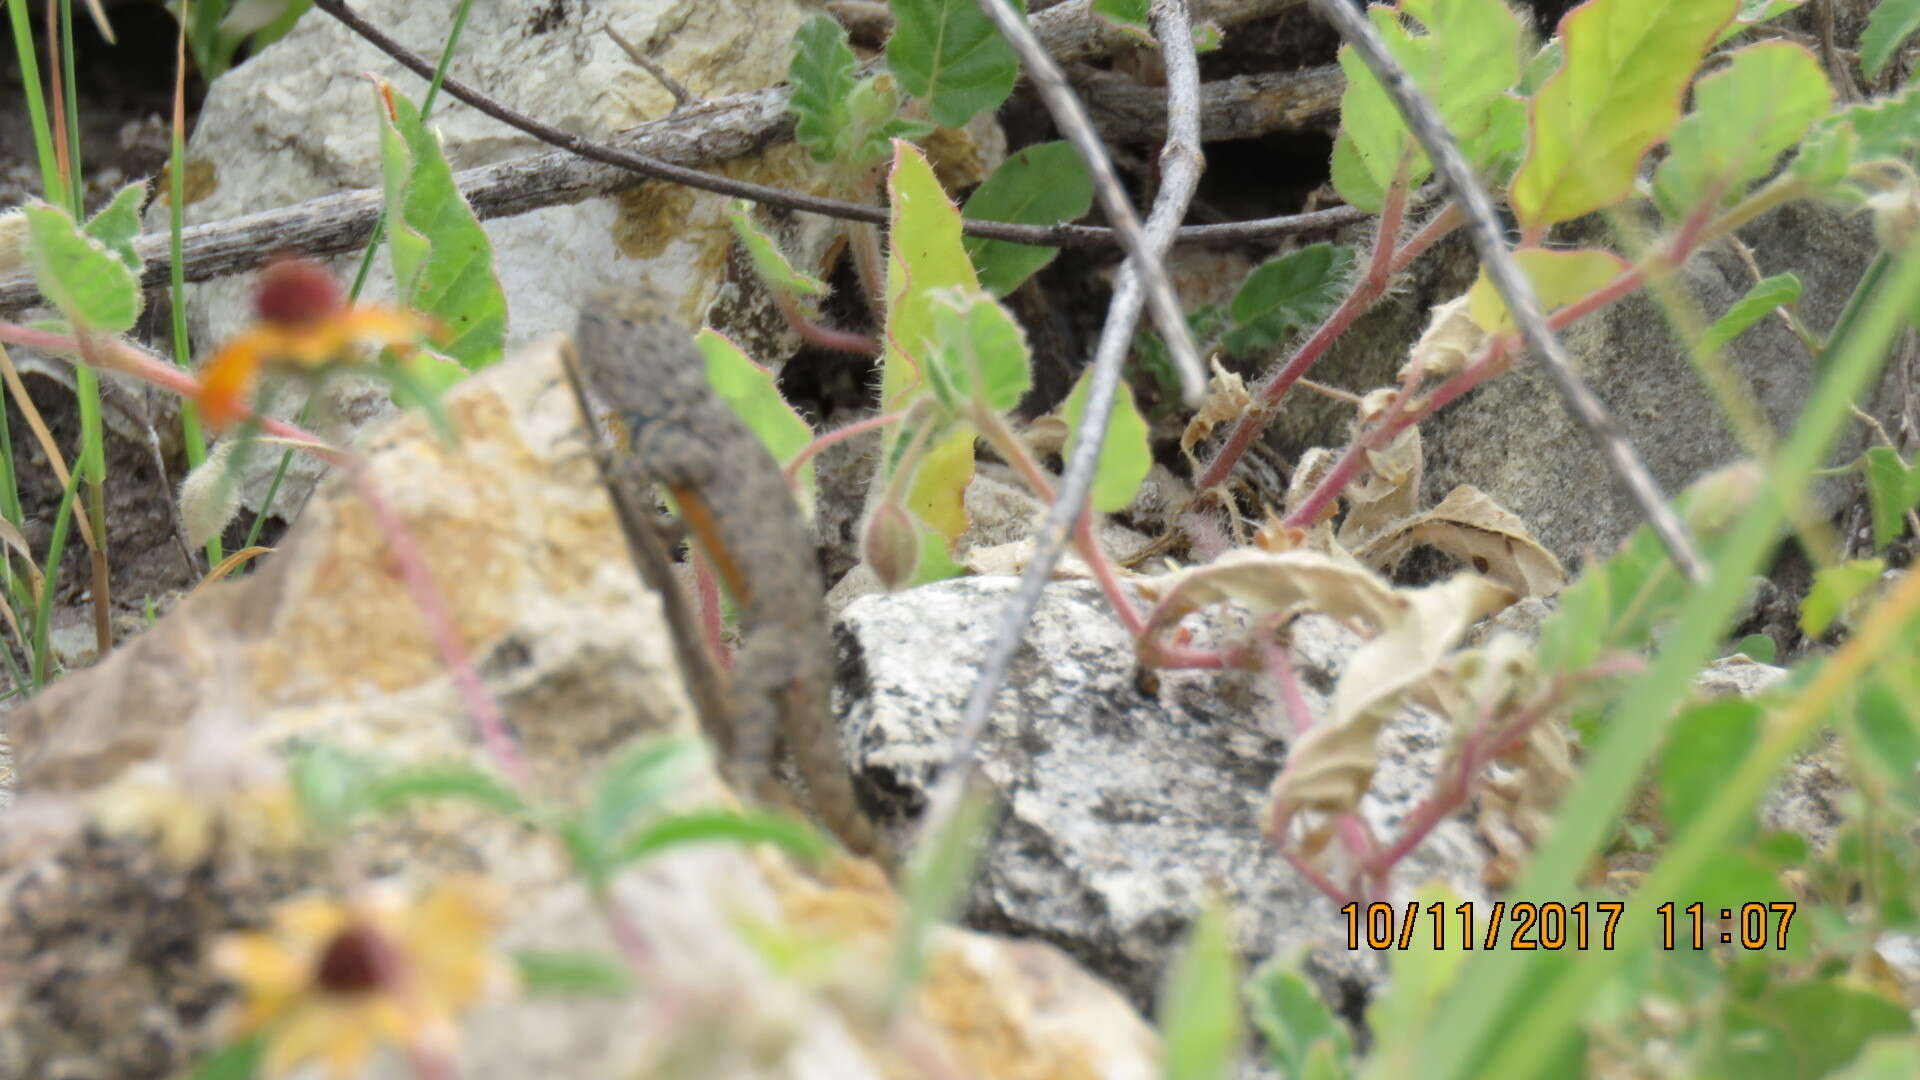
x: 1242, y: 107
x: 1484, y: 229
x: 716, y: 131
x: 1181, y: 163
x: 681, y: 98
x: 1143, y: 260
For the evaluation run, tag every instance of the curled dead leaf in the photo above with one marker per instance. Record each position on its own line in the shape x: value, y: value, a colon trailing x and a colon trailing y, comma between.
x: 1473, y: 528
x: 1227, y: 400
x: 1449, y: 341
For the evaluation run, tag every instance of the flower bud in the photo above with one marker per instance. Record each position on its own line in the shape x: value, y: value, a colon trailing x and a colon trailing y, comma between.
x: 891, y: 545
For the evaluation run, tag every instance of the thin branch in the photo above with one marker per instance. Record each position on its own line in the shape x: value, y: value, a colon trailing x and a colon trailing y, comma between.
x: 1181, y: 163
x: 1143, y: 260
x: 682, y: 99
x: 1488, y: 240
x: 719, y: 130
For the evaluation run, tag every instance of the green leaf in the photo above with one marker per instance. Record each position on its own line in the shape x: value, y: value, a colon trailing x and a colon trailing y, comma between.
x: 1465, y: 60
x: 1893, y: 487
x: 947, y: 53
x: 1559, y: 278
x: 979, y: 349
x: 768, y: 260
x: 442, y: 259
x: 1892, y: 22
x: 822, y: 78
x: 1780, y: 290
x: 442, y: 780
x: 1834, y: 589
x: 238, y: 1060
x: 1757, y: 647
x: 572, y: 972
x: 1753, y: 13
x: 1200, y: 1021
x: 924, y: 255
x: 875, y: 108
x: 1745, y: 115
x: 1706, y: 741
x: 117, y: 224
x: 1297, y: 1025
x: 637, y: 781
x: 1885, y: 127
x: 1889, y: 735
x: 754, y: 395
x: 1616, y: 94
x: 1125, y: 455
x: 717, y: 827
x: 1127, y: 16
x: 1295, y: 290
x: 83, y: 276
x: 1803, y: 1029
x: 1045, y: 184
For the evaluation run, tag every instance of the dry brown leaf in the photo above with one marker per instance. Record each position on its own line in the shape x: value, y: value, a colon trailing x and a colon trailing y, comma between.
x: 1330, y: 768
x: 1478, y: 531
x: 1227, y: 400
x: 1449, y: 341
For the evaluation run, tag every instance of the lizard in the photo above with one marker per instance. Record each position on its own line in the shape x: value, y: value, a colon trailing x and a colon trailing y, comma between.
x: 631, y: 355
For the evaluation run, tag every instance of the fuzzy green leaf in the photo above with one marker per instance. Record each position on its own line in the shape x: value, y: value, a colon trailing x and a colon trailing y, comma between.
x: 442, y: 258
x: 83, y: 275
x: 1295, y: 290
x: 947, y: 53
x: 1617, y: 93
x: 1892, y: 22
x: 822, y: 78
x: 1200, y: 1004
x: 1127, y: 16
x: 1125, y: 456
x: 925, y: 256
x: 1780, y: 290
x: 754, y: 394
x: 1802, y: 1028
x: 768, y: 260
x: 1757, y: 647
x: 1834, y: 590
x: 978, y: 348
x: 1893, y: 488
x: 1044, y: 184
x: 1745, y: 115
x: 1706, y: 741
x: 1466, y: 58
x: 118, y: 224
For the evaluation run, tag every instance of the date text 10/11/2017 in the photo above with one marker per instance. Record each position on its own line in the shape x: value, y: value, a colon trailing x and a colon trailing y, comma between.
x: 1553, y: 926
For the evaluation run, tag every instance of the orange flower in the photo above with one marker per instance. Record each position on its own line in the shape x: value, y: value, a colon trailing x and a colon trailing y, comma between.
x: 304, y: 324
x: 333, y: 981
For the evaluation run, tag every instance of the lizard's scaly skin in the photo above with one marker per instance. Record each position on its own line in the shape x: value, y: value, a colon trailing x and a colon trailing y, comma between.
x: 638, y: 362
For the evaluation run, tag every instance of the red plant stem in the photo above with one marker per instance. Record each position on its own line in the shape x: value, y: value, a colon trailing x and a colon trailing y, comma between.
x: 56, y: 77
x: 1267, y: 398
x: 1437, y: 227
x: 1279, y: 662
x: 627, y: 935
x: 410, y: 563
x: 1320, y: 881
x: 1014, y: 451
x: 824, y: 336
x: 706, y: 588
x: 840, y: 434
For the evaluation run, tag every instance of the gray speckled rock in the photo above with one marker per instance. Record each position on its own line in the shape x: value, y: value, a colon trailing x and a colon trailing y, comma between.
x: 1124, y: 808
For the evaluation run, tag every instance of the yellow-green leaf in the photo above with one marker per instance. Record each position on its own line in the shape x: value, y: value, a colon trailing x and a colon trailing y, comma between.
x: 768, y: 260
x: 1834, y: 590
x: 978, y: 351
x: 1125, y: 456
x: 1559, y: 277
x: 1744, y: 116
x: 442, y: 258
x: 1617, y: 93
x: 926, y: 255
x: 755, y: 397
x: 82, y: 274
